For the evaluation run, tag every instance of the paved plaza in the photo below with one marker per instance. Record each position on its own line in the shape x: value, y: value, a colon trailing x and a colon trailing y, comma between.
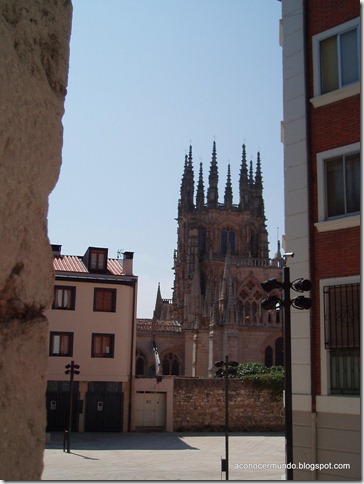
x: 164, y: 456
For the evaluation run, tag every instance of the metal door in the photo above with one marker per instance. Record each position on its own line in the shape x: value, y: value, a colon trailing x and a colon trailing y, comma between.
x: 104, y: 410
x: 57, y: 404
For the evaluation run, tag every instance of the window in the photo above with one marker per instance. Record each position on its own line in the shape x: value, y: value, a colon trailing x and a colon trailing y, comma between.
x: 336, y: 58
x: 338, y: 187
x: 96, y: 259
x: 60, y: 344
x: 227, y: 240
x: 102, y: 345
x: 170, y: 364
x: 202, y: 241
x: 139, y: 363
x: 64, y: 297
x: 274, y: 315
x: 342, y: 336
x: 250, y: 296
x: 342, y: 185
x: 339, y: 62
x: 105, y: 300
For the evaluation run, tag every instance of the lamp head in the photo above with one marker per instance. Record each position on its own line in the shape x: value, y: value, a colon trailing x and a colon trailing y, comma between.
x: 301, y: 302
x: 270, y: 302
x: 271, y: 284
x: 301, y: 285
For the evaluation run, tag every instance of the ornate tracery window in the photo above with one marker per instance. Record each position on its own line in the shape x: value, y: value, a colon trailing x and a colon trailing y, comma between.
x: 170, y: 364
x: 249, y: 300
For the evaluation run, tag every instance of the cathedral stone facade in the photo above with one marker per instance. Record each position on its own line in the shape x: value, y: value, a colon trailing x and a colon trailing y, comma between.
x: 222, y: 257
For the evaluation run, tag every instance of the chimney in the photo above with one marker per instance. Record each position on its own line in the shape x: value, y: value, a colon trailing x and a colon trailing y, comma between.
x: 56, y: 250
x: 128, y: 263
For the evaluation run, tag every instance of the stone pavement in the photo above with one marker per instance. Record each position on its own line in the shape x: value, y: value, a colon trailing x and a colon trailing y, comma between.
x: 164, y: 456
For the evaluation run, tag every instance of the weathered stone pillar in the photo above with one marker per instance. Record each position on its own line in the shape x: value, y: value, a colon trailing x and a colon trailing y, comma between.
x: 34, y: 56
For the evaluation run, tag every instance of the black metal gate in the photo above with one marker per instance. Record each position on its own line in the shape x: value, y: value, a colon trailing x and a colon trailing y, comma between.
x: 57, y: 403
x: 104, y: 407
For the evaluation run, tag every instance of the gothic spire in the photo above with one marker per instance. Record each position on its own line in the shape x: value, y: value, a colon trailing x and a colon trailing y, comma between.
x: 212, y: 192
x: 251, y: 177
x: 243, y: 182
x: 228, y: 200
x: 158, y: 303
x: 187, y: 185
x: 200, y: 195
x: 258, y: 189
x: 258, y: 173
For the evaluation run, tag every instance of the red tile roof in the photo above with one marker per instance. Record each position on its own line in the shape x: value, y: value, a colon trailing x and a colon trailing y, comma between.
x: 114, y: 267
x: 69, y: 263
x: 73, y: 263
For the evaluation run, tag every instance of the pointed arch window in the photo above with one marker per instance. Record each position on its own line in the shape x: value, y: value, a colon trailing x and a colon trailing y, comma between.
x: 274, y: 315
x: 139, y: 363
x: 268, y: 356
x: 227, y: 239
x: 170, y: 364
x: 201, y: 241
x: 247, y: 318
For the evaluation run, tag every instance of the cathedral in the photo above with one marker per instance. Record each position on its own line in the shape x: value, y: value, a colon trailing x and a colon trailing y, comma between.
x: 222, y: 256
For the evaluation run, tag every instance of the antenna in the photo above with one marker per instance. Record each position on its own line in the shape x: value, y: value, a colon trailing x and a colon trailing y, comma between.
x: 119, y: 253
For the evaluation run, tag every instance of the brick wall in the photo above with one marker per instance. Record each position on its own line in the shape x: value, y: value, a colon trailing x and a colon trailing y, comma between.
x: 325, y: 14
x: 199, y: 405
x: 333, y: 253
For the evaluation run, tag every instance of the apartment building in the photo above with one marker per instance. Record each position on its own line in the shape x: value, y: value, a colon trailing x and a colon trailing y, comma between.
x: 92, y: 322
x: 321, y: 136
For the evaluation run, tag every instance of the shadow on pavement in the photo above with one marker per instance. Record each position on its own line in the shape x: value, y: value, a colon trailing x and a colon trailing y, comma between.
x: 83, y: 456
x: 120, y: 441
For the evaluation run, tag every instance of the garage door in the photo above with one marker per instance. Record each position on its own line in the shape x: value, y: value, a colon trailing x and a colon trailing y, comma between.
x: 150, y: 411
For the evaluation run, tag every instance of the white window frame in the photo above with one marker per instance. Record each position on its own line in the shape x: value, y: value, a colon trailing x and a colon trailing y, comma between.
x: 345, y: 221
x: 325, y: 354
x: 345, y: 91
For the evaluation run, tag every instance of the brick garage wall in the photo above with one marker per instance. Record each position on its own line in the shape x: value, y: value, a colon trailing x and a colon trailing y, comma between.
x: 199, y: 405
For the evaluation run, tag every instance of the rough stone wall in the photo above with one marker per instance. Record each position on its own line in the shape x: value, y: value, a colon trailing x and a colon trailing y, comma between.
x: 199, y: 405
x: 34, y: 56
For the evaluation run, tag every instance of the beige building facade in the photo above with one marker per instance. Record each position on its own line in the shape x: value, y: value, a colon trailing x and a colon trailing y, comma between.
x: 92, y: 322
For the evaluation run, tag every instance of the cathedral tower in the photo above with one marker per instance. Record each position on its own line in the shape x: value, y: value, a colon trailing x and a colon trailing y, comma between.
x: 222, y: 256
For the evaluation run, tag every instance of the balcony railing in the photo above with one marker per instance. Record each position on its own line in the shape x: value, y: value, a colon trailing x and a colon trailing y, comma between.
x: 241, y: 261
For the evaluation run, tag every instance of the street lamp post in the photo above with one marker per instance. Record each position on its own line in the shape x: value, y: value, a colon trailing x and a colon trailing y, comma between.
x: 71, y: 369
x: 288, y: 371
x: 225, y: 371
x: 299, y: 302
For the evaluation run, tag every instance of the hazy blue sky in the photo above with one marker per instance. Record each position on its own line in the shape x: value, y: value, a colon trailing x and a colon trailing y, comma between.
x: 147, y: 79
